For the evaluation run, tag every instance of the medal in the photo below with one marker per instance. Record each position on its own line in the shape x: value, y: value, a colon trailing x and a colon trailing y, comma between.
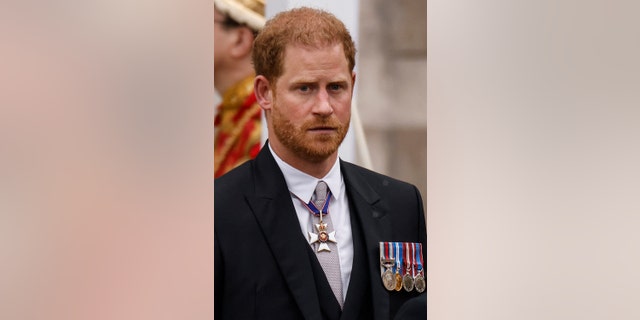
x: 386, y: 262
x: 401, y: 266
x: 398, y: 266
x: 407, y: 280
x: 323, y: 236
x: 389, y: 280
x: 419, y: 281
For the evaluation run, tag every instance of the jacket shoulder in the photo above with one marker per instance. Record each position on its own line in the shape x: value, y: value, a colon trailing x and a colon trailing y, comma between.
x: 373, y: 178
x: 237, y: 180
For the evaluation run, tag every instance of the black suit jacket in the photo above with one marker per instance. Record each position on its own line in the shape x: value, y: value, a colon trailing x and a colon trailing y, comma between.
x: 264, y: 266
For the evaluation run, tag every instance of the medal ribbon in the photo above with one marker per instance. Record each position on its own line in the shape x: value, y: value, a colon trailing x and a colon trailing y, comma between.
x: 312, y: 207
x: 385, y: 253
x: 399, y: 259
x: 392, y: 252
x: 418, y: 255
x: 408, y: 262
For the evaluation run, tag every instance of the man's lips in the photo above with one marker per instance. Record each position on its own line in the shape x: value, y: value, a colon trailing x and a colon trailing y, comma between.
x: 322, y: 129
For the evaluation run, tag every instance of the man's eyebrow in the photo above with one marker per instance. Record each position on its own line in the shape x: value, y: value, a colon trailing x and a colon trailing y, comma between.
x: 311, y: 80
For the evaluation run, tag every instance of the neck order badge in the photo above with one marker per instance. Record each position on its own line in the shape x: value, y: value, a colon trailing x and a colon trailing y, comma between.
x: 322, y: 236
x: 321, y: 199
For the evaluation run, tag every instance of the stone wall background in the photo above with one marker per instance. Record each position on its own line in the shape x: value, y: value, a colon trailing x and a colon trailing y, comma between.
x: 392, y: 83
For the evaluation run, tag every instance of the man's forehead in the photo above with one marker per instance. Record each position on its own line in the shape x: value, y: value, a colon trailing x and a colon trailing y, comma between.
x: 305, y: 55
x: 304, y: 51
x: 316, y: 46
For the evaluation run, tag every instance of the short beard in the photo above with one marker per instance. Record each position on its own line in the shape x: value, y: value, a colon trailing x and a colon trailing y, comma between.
x: 315, y: 150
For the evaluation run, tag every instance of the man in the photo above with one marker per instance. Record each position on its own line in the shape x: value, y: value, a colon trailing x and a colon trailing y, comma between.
x: 238, y: 118
x: 299, y: 233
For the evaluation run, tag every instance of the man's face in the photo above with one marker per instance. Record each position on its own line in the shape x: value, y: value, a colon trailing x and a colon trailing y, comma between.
x: 312, y: 101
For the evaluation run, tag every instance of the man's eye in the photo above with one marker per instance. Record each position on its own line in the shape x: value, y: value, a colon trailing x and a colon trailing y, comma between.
x: 304, y: 88
x: 335, y: 87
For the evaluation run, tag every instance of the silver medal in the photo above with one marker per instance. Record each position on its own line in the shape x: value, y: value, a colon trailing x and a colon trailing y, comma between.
x: 420, y: 283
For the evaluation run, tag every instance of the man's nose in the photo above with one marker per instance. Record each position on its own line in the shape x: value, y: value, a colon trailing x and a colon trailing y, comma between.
x: 323, y: 103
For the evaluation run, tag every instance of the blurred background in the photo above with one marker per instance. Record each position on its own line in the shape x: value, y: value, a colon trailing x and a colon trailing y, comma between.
x: 533, y: 123
x: 392, y: 87
x: 106, y: 207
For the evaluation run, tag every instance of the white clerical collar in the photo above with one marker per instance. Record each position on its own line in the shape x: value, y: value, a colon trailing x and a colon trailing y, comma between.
x: 303, y: 185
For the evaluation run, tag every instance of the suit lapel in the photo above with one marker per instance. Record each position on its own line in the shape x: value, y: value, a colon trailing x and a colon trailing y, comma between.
x: 375, y: 227
x: 274, y: 211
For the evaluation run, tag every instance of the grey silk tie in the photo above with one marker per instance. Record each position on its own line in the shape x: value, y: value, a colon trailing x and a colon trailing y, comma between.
x: 329, y: 260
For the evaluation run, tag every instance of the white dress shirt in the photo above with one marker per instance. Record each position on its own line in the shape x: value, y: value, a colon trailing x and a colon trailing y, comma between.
x: 303, y: 185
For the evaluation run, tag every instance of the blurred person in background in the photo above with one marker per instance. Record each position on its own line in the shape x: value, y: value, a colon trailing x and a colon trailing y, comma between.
x: 238, y: 117
x: 300, y: 233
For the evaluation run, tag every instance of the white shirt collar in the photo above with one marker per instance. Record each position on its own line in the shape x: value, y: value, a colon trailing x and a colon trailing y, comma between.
x: 303, y: 185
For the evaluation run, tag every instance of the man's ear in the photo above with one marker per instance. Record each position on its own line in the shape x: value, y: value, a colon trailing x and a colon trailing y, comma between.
x: 353, y: 81
x: 264, y: 92
x: 243, y: 42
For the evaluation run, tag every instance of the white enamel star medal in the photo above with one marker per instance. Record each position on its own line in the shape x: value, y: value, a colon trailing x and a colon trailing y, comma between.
x: 322, y: 199
x: 322, y: 236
